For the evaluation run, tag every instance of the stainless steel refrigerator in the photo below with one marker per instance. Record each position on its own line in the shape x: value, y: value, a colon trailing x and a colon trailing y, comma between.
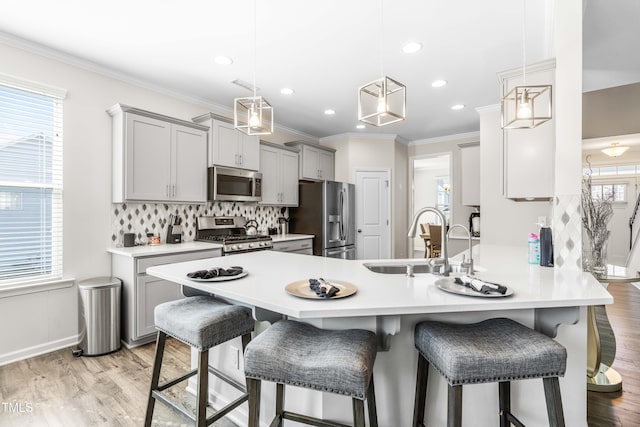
x: 327, y: 210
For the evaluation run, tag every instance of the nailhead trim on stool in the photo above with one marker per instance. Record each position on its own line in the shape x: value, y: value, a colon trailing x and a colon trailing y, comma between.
x: 299, y: 354
x: 201, y: 322
x: 495, y: 350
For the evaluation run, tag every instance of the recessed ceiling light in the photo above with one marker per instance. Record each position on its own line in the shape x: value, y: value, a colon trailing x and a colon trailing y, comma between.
x: 439, y: 83
x: 457, y: 107
x: 223, y: 60
x: 360, y: 126
x: 411, y: 47
x: 329, y: 112
x: 286, y: 91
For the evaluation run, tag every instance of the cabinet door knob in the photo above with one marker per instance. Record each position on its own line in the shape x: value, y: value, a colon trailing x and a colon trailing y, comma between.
x: 359, y: 230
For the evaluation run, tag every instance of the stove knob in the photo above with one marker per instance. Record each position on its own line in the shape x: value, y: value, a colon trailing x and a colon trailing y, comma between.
x: 251, y: 245
x: 235, y: 247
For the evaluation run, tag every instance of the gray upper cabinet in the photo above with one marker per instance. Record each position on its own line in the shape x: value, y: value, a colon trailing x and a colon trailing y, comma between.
x: 470, y: 173
x: 230, y: 147
x: 279, y: 168
x: 529, y: 154
x: 317, y: 163
x: 157, y: 158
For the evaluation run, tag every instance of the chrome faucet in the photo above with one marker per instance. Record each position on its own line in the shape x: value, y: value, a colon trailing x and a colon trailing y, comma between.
x: 468, y: 265
x: 443, y: 252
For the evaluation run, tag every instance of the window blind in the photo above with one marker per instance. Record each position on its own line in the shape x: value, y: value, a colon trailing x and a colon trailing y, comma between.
x: 30, y: 183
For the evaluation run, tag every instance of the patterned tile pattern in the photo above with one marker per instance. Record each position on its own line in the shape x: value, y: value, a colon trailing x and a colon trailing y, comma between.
x: 143, y: 218
x: 567, y: 232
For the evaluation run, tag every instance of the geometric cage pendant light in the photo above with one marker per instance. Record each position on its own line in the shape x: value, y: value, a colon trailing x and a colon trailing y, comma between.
x: 526, y: 106
x: 382, y: 101
x: 253, y: 115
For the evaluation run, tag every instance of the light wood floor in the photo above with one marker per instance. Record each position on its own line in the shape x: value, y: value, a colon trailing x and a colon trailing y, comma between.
x: 109, y: 390
x: 621, y: 408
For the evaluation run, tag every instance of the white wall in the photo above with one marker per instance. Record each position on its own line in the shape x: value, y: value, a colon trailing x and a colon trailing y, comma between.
x: 460, y: 213
x: 503, y: 221
x: 43, y: 321
x: 359, y: 151
x: 425, y: 181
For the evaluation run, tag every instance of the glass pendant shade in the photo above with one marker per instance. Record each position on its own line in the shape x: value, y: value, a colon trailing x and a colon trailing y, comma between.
x: 382, y: 102
x: 615, y: 150
x: 526, y: 107
x: 253, y: 115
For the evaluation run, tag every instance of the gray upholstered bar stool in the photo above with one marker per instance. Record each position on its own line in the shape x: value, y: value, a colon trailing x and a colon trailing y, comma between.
x: 495, y: 350
x: 201, y: 322
x: 302, y: 355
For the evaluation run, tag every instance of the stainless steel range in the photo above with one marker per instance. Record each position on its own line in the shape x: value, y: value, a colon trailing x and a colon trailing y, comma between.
x: 231, y: 233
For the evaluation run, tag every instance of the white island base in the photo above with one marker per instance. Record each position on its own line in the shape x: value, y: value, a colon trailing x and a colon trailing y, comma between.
x: 395, y: 303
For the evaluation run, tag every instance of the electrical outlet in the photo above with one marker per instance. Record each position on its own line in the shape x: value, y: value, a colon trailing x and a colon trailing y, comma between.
x: 234, y: 356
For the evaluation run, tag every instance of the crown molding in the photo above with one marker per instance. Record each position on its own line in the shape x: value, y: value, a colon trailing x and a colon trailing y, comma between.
x: 460, y: 138
x: 360, y: 135
x: 78, y: 62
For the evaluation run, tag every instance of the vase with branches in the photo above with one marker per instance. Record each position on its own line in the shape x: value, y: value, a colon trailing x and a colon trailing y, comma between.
x: 596, y: 214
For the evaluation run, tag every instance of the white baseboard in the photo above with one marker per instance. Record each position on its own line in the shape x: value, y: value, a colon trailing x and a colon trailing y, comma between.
x: 37, y: 350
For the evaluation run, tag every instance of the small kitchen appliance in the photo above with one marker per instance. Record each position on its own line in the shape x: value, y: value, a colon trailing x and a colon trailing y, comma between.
x: 474, y: 223
x: 230, y: 231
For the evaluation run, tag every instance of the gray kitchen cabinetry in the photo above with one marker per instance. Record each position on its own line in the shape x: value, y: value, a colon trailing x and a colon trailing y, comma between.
x: 279, y: 168
x: 470, y: 173
x: 317, y: 163
x: 529, y: 154
x: 142, y: 293
x: 157, y: 158
x: 228, y: 146
x: 302, y: 246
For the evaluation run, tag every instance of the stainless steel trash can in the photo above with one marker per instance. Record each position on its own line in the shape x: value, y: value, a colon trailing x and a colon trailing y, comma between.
x: 99, y: 315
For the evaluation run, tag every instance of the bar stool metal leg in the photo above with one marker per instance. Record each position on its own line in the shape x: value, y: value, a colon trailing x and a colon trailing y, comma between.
x: 203, y: 387
x: 371, y: 405
x: 358, y: 412
x: 279, y: 404
x: 155, y: 376
x: 421, y: 392
x: 554, y: 401
x: 454, y: 406
x: 504, y: 397
x: 253, y: 389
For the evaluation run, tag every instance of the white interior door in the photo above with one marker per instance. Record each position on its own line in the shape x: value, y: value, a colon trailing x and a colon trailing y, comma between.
x: 373, y: 239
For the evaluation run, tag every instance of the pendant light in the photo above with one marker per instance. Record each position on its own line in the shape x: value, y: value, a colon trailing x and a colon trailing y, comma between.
x: 526, y: 106
x: 382, y: 101
x: 615, y: 150
x: 253, y: 115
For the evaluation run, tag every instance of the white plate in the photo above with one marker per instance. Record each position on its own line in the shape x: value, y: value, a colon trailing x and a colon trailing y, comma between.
x: 300, y: 288
x: 447, y: 284
x: 220, y: 278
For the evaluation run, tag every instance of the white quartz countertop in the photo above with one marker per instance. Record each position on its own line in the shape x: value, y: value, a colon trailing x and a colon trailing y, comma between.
x: 388, y: 294
x: 164, y: 249
x: 290, y: 237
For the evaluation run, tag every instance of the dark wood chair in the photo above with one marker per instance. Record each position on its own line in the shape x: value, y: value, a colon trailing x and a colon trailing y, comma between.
x: 435, y: 237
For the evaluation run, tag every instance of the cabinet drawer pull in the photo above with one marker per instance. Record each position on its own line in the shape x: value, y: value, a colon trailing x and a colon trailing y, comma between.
x: 167, y: 191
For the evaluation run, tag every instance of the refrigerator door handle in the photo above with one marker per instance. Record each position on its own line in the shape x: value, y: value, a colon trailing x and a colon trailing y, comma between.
x: 342, y: 216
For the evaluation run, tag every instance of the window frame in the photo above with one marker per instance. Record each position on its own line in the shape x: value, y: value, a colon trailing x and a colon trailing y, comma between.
x: 31, y: 283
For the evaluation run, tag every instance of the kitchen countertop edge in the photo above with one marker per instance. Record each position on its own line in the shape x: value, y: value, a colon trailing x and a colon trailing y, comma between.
x: 163, y: 249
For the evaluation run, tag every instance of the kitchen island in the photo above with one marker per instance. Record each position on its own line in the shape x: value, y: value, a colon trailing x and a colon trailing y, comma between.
x: 391, y: 305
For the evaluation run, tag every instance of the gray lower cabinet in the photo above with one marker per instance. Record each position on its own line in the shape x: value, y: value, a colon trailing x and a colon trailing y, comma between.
x: 142, y: 293
x: 303, y: 246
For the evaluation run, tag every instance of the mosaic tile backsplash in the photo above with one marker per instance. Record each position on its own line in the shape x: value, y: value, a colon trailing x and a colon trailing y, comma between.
x: 143, y: 218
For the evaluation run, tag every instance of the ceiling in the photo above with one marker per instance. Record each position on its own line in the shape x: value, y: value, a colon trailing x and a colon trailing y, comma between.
x: 323, y: 50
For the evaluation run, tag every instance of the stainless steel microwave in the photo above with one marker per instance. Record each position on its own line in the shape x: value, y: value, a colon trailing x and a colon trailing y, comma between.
x: 235, y: 185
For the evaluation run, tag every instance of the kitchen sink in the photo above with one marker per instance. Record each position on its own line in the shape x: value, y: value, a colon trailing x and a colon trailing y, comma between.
x: 398, y: 267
